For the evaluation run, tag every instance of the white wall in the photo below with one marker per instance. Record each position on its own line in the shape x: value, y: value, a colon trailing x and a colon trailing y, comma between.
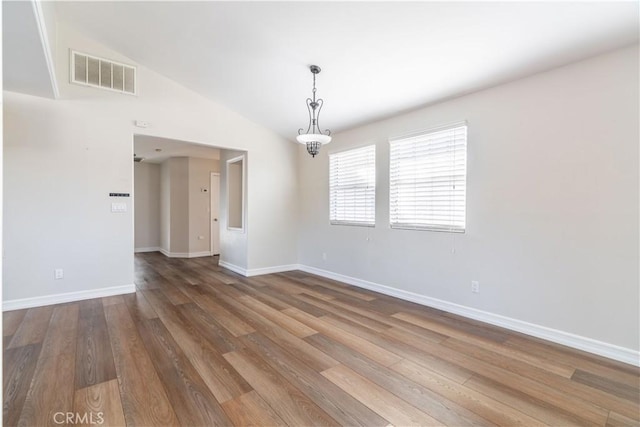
x: 272, y: 244
x: 179, y: 201
x: 552, y: 205
x: 185, y: 207
x: 1, y: 172
x: 147, y: 205
x: 63, y: 157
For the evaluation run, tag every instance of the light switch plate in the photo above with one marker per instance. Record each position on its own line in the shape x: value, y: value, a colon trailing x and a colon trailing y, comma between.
x: 118, y: 207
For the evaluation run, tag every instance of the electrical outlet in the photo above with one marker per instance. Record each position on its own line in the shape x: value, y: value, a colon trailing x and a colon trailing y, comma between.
x: 475, y: 286
x: 58, y: 273
x: 324, y: 256
x: 200, y: 237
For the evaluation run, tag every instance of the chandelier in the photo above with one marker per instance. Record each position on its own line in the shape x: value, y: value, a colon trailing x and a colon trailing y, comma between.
x: 313, y: 138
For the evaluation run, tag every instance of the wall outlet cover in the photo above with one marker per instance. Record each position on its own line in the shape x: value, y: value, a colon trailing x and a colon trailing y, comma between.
x: 475, y: 286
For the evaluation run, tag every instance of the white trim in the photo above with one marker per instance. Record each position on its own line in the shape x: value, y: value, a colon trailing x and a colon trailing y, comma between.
x: 199, y: 254
x: 17, y: 304
x: 150, y: 249
x: 270, y: 270
x: 419, y: 132
x: 232, y: 267
x: 568, y: 339
x: 351, y: 147
x: 353, y: 224
x: 258, y: 271
x: 213, y: 191
x: 42, y: 30
x: 184, y: 254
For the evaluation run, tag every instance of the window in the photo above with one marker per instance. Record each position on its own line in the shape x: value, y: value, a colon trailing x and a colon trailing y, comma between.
x: 352, y: 186
x: 428, y: 173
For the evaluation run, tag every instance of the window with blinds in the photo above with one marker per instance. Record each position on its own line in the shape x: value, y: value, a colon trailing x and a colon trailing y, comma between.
x: 352, y: 186
x: 428, y: 174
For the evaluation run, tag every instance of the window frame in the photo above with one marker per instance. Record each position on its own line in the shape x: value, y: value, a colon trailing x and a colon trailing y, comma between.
x: 356, y: 223
x: 430, y: 227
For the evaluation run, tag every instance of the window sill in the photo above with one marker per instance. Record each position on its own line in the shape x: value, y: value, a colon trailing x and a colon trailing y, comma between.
x: 427, y: 228
x: 355, y: 224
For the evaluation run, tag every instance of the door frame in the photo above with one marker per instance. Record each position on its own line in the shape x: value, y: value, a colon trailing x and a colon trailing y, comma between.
x: 214, y: 216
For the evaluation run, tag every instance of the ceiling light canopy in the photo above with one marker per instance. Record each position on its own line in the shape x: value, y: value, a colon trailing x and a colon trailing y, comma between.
x: 314, y: 138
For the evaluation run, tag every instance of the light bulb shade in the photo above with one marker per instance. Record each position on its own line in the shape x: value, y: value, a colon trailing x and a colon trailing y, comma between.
x: 313, y: 137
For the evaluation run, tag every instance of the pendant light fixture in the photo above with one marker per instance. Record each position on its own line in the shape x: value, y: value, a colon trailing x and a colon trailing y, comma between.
x: 314, y: 138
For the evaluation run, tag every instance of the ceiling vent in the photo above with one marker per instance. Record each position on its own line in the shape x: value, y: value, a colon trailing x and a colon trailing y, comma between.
x: 88, y: 70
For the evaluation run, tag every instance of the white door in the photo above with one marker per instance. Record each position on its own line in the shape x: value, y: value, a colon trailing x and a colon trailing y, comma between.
x: 215, y: 210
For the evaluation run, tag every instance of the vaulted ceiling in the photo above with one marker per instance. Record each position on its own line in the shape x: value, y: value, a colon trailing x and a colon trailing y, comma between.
x: 378, y: 58
x: 24, y: 53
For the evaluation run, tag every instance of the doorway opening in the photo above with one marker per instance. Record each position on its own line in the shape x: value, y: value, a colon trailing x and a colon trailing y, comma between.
x: 176, y: 198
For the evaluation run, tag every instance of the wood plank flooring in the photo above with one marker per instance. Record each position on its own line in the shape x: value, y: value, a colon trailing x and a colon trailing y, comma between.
x: 199, y: 345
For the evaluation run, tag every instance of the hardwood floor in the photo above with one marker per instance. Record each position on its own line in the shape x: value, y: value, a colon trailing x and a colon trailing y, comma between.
x: 199, y: 345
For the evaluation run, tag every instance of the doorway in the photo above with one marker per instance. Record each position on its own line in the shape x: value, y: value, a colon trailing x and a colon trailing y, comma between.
x: 176, y: 198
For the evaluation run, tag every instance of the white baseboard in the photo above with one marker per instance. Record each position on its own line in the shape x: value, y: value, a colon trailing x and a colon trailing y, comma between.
x: 590, y: 345
x: 258, y: 271
x: 270, y: 270
x: 151, y: 249
x: 184, y: 254
x: 199, y: 254
x: 18, y: 304
x: 233, y: 267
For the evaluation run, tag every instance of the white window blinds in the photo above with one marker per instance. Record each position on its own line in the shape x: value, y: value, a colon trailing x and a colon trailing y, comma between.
x: 428, y: 174
x: 352, y: 186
